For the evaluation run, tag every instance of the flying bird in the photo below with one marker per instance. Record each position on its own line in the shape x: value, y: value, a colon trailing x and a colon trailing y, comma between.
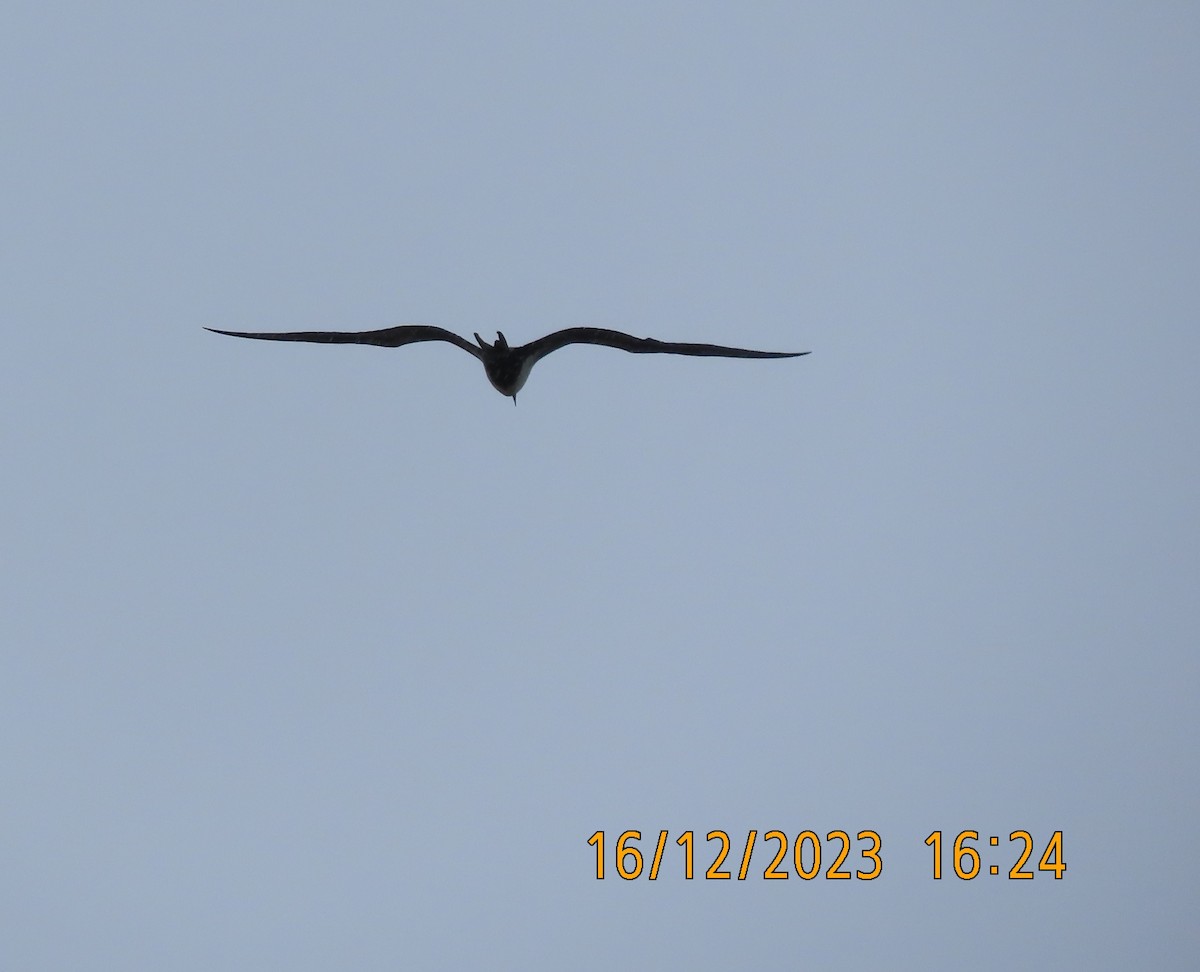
x: 507, y: 367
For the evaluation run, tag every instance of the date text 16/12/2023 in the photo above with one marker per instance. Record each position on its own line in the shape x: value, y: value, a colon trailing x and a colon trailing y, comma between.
x: 860, y: 858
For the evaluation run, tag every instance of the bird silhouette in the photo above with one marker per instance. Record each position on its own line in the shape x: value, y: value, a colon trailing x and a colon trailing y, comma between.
x: 508, y: 367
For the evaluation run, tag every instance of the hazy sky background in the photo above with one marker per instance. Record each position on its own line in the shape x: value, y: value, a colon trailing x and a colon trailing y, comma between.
x: 328, y: 657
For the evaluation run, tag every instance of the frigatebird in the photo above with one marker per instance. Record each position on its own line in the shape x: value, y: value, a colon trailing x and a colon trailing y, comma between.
x: 507, y: 367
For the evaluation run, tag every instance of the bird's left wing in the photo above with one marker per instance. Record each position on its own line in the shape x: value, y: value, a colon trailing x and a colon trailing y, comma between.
x: 390, y: 337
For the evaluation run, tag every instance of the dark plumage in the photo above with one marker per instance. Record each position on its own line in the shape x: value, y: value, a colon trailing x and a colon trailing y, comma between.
x: 508, y: 368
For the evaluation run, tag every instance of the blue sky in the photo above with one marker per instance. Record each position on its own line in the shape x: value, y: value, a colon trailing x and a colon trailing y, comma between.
x: 328, y: 656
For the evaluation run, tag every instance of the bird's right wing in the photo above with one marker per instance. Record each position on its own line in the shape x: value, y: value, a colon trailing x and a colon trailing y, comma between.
x: 627, y: 342
x: 390, y: 337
